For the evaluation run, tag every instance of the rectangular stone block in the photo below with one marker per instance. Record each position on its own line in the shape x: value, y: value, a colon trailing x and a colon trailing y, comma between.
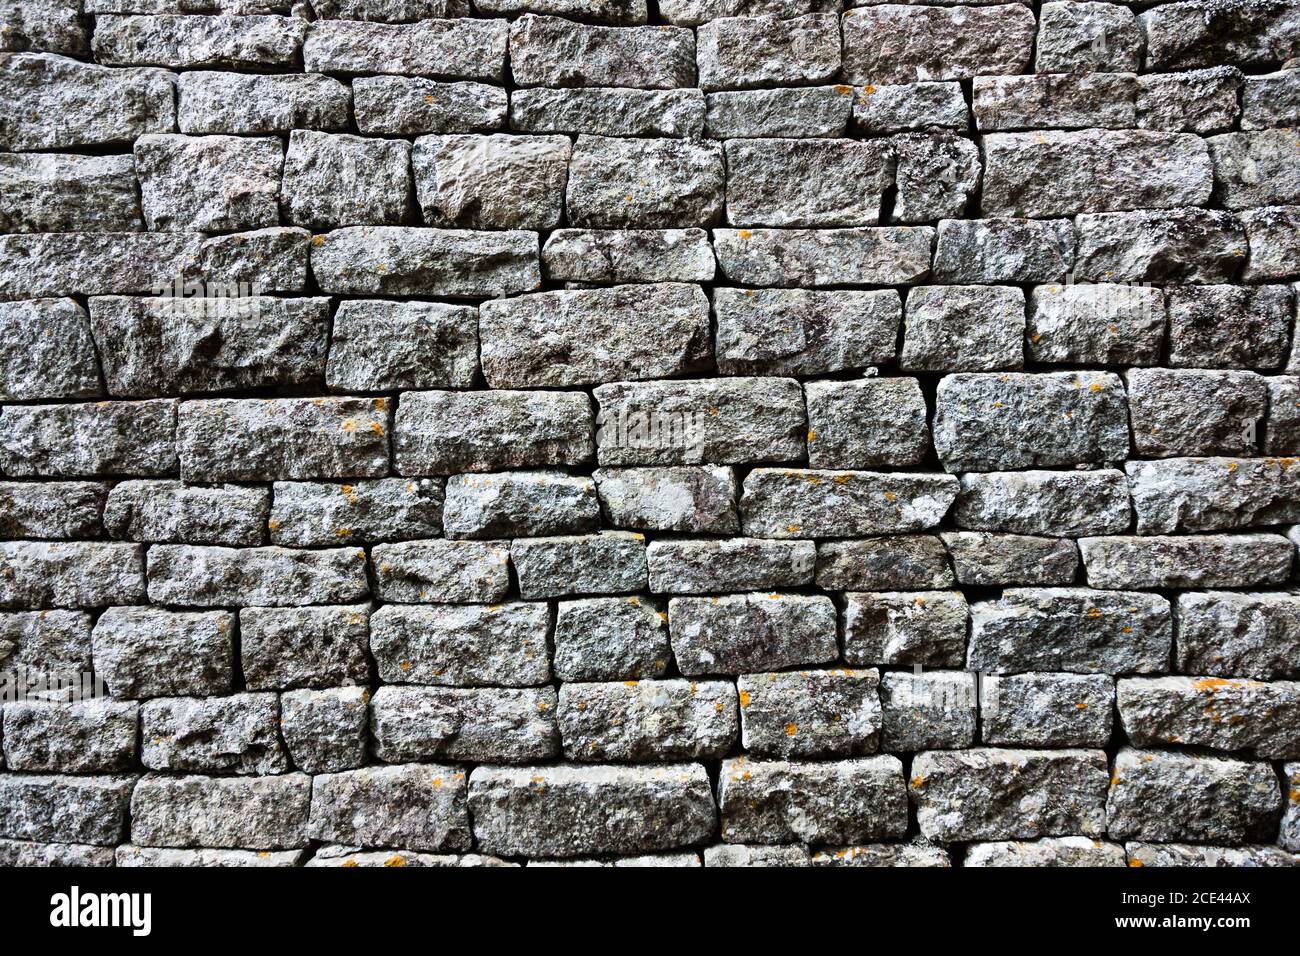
x: 1194, y: 101
x: 970, y: 328
x: 764, y: 50
x: 48, y: 351
x: 841, y: 182
x: 1055, y: 101
x: 936, y: 177
x: 411, y: 105
x: 93, y: 263
x: 142, y: 856
x: 889, y: 255
x: 53, y: 808
x: 712, y: 565
x: 550, y: 51
x: 210, y: 101
x: 336, y: 179
x: 442, y: 572
x: 1187, y: 561
x: 487, y: 725
x: 309, y: 514
x: 935, y: 710
x: 471, y: 645
x: 62, y: 103
x: 256, y: 813
x: 1270, y: 100
x: 513, y: 504
x: 619, y: 183
x: 102, y: 438
x: 1223, y: 326
x: 23, y: 853
x: 837, y: 802
x: 1049, y: 851
x: 1167, y: 796
x: 740, y: 633
x: 1273, y: 235
x: 623, y: 638
x: 1228, y: 634
x: 1178, y: 245
x: 1047, y: 710
x: 283, y: 648
x: 1185, y: 854
x: 983, y: 794
x: 986, y: 421
x: 1095, y: 324
x: 254, y: 43
x: 1213, y: 494
x: 68, y: 193
x: 866, y: 423
x: 443, y: 433
x: 454, y: 49
x: 795, y: 111
x: 1057, y: 503
x: 1086, y: 37
x: 397, y: 260
x: 830, y: 713
x: 70, y: 574
x: 986, y: 558
x: 588, y: 336
x: 56, y: 643
x: 886, y: 563
x: 804, y: 331
x: 1202, y: 34
x: 274, y: 577
x: 629, y: 255
x: 494, y: 181
x: 1213, y: 712
x: 648, y: 721
x: 905, y: 627
x: 1077, y: 630
x: 170, y: 511
x: 236, y: 734
x: 51, y: 510
x: 273, y: 259
x: 1003, y: 250
x: 900, y: 43
x: 208, y: 183
x: 682, y: 498
x: 152, y: 652
x: 572, y: 811
x: 96, y: 735
x: 799, y: 503
x: 608, y: 111
x: 262, y: 439
x: 611, y: 562
x: 325, y: 730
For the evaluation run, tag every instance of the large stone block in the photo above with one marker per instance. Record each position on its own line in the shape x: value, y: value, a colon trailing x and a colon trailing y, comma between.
x: 1047, y: 710
x: 1229, y: 634
x: 56, y: 643
x: 648, y: 720
x: 765, y: 50
x: 197, y: 576
x: 309, y: 514
x: 288, y: 647
x: 817, y: 713
x: 617, y: 183
x: 483, y: 725
x: 629, y: 255
x: 1003, y: 250
x: 1187, y: 561
x: 376, y: 345
x: 793, y: 111
x: 983, y: 558
x: 335, y: 179
x: 53, y: 808
x: 239, y: 734
x: 905, y: 627
x: 473, y: 645
x: 103, y: 438
x: 520, y: 504
x: 893, y: 562
x: 51, y: 510
x: 683, y: 498
x: 608, y: 111
x: 800, y: 503
x: 325, y: 730
x: 708, y: 565
x: 1213, y: 494
x: 97, y: 735
x: 1195, y: 101
x: 152, y: 652
x: 598, y: 639
x: 1177, y: 245
x: 216, y: 183
x: 491, y: 182
x: 184, y: 41
x: 901, y: 43
x: 933, y: 710
x: 464, y: 49
x: 1095, y: 324
x: 1055, y: 101
x: 411, y: 105
x: 1203, y: 33
x: 740, y: 633
x: 68, y: 193
x: 611, y: 562
x: 70, y: 574
x: 1213, y: 712
x: 46, y: 351
x: 865, y: 423
x: 1087, y: 37
x: 970, y: 328
x: 1049, y: 851
x: 420, y: 806
x: 1059, y: 503
x: 1225, y: 326
x: 895, y: 255
x: 256, y: 813
x: 442, y: 572
x: 806, y: 182
x: 550, y: 51
x: 210, y: 101
x: 174, y: 512
x: 906, y: 107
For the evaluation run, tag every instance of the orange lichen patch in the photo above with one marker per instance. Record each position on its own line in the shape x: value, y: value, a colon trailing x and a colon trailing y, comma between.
x: 775, y: 597
x: 791, y: 729
x: 918, y: 782
x: 1096, y: 387
x: 1134, y: 862
x: 380, y: 404
x: 718, y: 707
x: 350, y: 425
x: 633, y: 600
x: 1127, y: 629
x: 1211, y: 684
x: 1035, y: 337
x: 744, y: 698
x: 349, y: 864
x: 343, y: 532
x: 1295, y: 796
x: 890, y: 496
x: 629, y: 683
x: 405, y: 665
x: 1081, y: 706
x: 1094, y: 612
x: 843, y: 90
x: 792, y: 528
x: 812, y: 435
x: 1232, y: 466
x: 318, y: 240
x: 744, y: 234
x: 662, y: 615
x: 437, y: 783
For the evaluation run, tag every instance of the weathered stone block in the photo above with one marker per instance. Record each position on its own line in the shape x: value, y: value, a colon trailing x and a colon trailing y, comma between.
x: 56, y: 643
x: 1180, y: 245
x: 888, y: 563
x: 795, y: 111
x: 981, y: 558
x: 1049, y: 851
x: 325, y: 730
x: 1271, y: 100
x: 335, y: 179
x: 71, y: 574
x: 896, y: 255
x: 141, y: 856
x: 519, y: 504
x: 103, y: 438
x: 648, y: 720
x: 490, y: 725
x: 905, y: 627
x: 610, y: 639
x: 1228, y: 634
x: 740, y: 633
x: 917, y: 853
x: 491, y: 182
x: 411, y: 105
x: 988, y: 421
x: 1047, y: 710
x: 217, y: 183
x: 1184, y: 854
x: 1055, y: 101
x: 619, y: 183
x: 471, y: 645
x: 690, y: 499
x: 963, y: 328
x: 799, y: 503
x: 420, y: 806
x: 611, y: 562
x: 377, y: 345
x: 1003, y: 250
x: 1059, y: 503
x: 608, y: 111
x: 273, y: 577
x: 806, y: 182
x: 629, y: 255
x: 706, y: 565
x: 873, y: 421
x: 441, y: 433
x: 463, y: 49
x: 96, y: 735
x: 1212, y: 712
x: 1197, y: 101
x: 1167, y: 796
x: 804, y: 331
x: 1187, y: 561
x: 170, y: 511
x: 258, y: 813
x: 587, y: 336
x: 1077, y: 630
x: 903, y: 107
x: 936, y: 175
x: 51, y: 510
x: 53, y: 25
x: 763, y: 50
x: 1224, y: 326
x: 239, y: 734
x: 834, y: 713
x: 549, y: 51
x: 442, y: 572
x: 179, y: 41
x: 837, y: 802
x: 740, y: 855
x: 1196, y: 412
x: 1290, y: 835
x: 272, y: 259
x: 249, y: 105
x: 53, y: 808
x: 993, y: 794
x: 1087, y: 37
x: 900, y: 43
x: 48, y: 351
x: 1256, y: 168
x: 1273, y: 235
x: 397, y: 11
x: 250, y: 439
x: 1095, y: 324
x: 929, y: 711
x: 68, y: 193
x: 151, y: 652
x: 318, y: 514
x: 23, y: 853
x: 1202, y: 33
x: 289, y: 647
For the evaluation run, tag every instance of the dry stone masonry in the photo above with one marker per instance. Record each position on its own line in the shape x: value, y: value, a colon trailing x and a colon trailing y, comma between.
x: 600, y: 432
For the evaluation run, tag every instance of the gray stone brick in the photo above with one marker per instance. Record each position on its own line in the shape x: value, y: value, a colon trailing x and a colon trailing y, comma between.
x: 325, y: 730
x: 1195, y: 412
x: 930, y: 711
x: 1197, y: 101
x: 70, y: 574
x: 607, y: 111
x: 54, y: 808
x: 983, y: 794
x: 173, y: 512
x: 394, y: 11
x: 415, y: 806
x: 217, y: 183
x: 623, y: 638
x: 411, y: 105
x: 52, y: 510
x: 1058, y: 503
x: 905, y: 627
x: 691, y: 13
x: 794, y: 111
x: 474, y: 645
x: 346, y: 856
x: 53, y: 25
x: 53, y: 642
x: 97, y: 735
x: 740, y: 633
x: 47, y: 352
x: 898, y: 43
x: 1187, y: 561
x: 152, y: 652
x: 1087, y: 37
x: 442, y: 572
x: 611, y: 562
x: 740, y: 855
x: 1223, y: 326
x: 68, y: 193
x: 833, y: 713
x: 257, y: 813
x: 684, y: 498
x: 764, y: 50
x: 318, y: 514
x: 629, y: 255
x: 1003, y: 250
x: 799, y: 503
x: 806, y: 182
x: 887, y: 563
x: 917, y: 853
x: 211, y: 102
x: 141, y: 856
x: 1180, y: 245
x: 1049, y: 851
x: 491, y: 182
x: 239, y: 734
x: 837, y: 802
x: 963, y: 329
x: 1095, y: 324
x: 1074, y: 629
x: 895, y: 255
x: 1183, y: 854
x: 335, y: 179
x: 1273, y: 235
x: 1047, y: 710
x: 376, y: 345
x: 550, y: 51
x: 288, y: 647
x: 199, y: 576
x: 24, y: 853
x: 1271, y: 100
x: 709, y: 565
x: 1283, y: 434
x: 512, y: 504
x: 982, y: 558
x: 1228, y: 634
x: 460, y: 49
x: 1212, y: 712
x: 644, y: 183
x: 97, y: 439
x: 1202, y: 33
x: 648, y: 720
x: 936, y: 176
x: 1055, y: 101
x: 865, y: 423
x: 1255, y: 168
x: 255, y: 43
x: 903, y: 107
x: 492, y: 725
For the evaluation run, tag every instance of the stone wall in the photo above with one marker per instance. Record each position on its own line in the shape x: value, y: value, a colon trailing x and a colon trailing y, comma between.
x: 728, y: 431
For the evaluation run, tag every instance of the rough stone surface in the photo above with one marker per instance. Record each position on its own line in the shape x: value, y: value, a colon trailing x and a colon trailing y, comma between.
x: 320, y: 514
x: 282, y: 648
x: 453, y: 49
x: 1179, y: 245
x: 1212, y: 712
x: 799, y: 503
x: 91, y: 736
x: 617, y: 183
x: 629, y: 255
x: 1222, y: 326
x: 200, y: 576
x: 1047, y: 710
x: 482, y: 725
x: 900, y: 43
x: 824, y: 257
x: 866, y: 423
x: 905, y: 627
x: 1095, y: 324
x: 793, y: 111
x: 888, y: 563
x: 150, y: 652
x: 519, y: 503
x: 1211, y: 494
x: 705, y: 565
x: 211, y: 101
x: 1086, y: 37
x: 491, y: 181
x: 325, y: 730
x: 1229, y: 634
x: 256, y: 813
x: 335, y: 179
x: 825, y: 182
x: 176, y: 513
x: 740, y: 633
x: 964, y: 328
x: 608, y: 111
x: 237, y: 734
x: 48, y: 351
x: 1049, y: 851
x: 598, y: 639
x: 410, y: 105
x: 1187, y: 561
x: 810, y: 713
x: 470, y: 645
x: 415, y: 806
x: 1057, y: 503
x: 649, y: 720
x: 928, y: 711
x: 54, y: 808
x: 1003, y: 250
x: 982, y: 558
x: 550, y: 51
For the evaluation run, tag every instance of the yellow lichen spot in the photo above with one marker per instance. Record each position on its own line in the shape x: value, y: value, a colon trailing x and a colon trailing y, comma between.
x: 343, y: 532
x: 662, y: 615
x: 918, y: 782
x: 429, y: 98
x: 273, y: 525
x: 744, y: 234
x: 791, y: 729
x: 792, y: 528
x: 1135, y: 862
x: 1127, y: 629
x: 405, y: 666
x: 318, y: 240
x: 629, y: 683
x: 775, y: 597
x: 349, y: 864
x: 1081, y: 706
x: 812, y: 435
x: 889, y: 496
x: 437, y: 783
x: 395, y: 860
x: 1295, y: 796
x: 350, y: 425
x: 843, y: 90
x: 1035, y: 337
x: 1096, y: 387
x: 1094, y: 612
x: 842, y: 479
x: 718, y: 707
x: 1232, y: 466
x: 744, y: 698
